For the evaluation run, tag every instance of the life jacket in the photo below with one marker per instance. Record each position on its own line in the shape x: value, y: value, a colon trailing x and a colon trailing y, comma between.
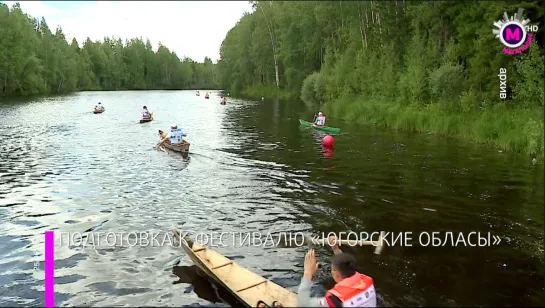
x: 176, y: 136
x: 320, y: 120
x: 145, y: 113
x: 357, y: 290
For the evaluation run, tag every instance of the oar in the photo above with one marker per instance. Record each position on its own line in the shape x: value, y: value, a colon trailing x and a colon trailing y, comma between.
x: 378, y: 244
x: 159, y: 147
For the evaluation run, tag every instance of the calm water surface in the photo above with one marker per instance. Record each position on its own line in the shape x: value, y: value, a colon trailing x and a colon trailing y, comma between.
x: 252, y: 168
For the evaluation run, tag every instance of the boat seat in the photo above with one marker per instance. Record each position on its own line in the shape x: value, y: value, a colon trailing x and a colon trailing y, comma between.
x: 251, y: 286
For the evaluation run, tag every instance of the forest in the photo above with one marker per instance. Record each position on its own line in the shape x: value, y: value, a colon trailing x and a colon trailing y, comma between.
x: 422, y: 66
x: 34, y: 60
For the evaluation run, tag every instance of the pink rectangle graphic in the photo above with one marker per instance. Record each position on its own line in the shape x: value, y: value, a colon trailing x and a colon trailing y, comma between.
x: 49, y: 268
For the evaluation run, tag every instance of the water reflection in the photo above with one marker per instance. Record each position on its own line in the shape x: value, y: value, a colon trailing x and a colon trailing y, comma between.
x: 328, y: 151
x: 253, y: 168
x: 197, y: 282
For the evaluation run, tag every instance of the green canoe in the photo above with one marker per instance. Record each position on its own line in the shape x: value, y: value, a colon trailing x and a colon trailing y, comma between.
x: 328, y: 129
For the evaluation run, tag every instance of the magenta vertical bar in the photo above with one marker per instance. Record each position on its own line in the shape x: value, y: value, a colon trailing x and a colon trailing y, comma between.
x: 49, y: 269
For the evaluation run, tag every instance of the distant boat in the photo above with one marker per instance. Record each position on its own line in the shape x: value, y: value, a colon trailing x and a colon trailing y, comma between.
x: 147, y: 119
x: 198, y: 93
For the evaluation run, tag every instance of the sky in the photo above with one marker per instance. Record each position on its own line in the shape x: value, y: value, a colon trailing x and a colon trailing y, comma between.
x: 194, y: 29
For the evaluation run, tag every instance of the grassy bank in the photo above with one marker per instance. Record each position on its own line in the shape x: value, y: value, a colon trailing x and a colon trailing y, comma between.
x: 266, y: 91
x: 512, y: 129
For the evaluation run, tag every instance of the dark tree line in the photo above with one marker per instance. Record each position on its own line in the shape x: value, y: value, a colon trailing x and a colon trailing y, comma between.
x: 34, y: 60
x: 411, y: 52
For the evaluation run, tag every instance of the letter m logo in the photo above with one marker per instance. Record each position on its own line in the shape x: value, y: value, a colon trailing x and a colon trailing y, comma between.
x: 512, y: 35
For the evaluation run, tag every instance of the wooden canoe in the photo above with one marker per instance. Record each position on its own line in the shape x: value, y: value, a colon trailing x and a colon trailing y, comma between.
x: 98, y: 111
x: 183, y: 148
x: 145, y: 120
x: 245, y: 285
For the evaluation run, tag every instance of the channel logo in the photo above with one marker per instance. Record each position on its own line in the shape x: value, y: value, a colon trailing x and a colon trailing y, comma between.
x: 514, y: 33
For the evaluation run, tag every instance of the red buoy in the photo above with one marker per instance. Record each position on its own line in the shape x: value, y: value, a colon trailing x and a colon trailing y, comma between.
x: 328, y: 141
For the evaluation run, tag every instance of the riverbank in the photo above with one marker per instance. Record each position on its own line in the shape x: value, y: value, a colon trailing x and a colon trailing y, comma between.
x: 10, y: 98
x: 266, y: 91
x: 518, y: 130
x: 510, y: 129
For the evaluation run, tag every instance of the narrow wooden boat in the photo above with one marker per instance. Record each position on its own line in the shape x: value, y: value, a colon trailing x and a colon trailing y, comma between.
x: 98, y: 111
x: 328, y: 129
x: 245, y: 285
x: 182, y: 148
x: 207, y: 97
x: 146, y: 120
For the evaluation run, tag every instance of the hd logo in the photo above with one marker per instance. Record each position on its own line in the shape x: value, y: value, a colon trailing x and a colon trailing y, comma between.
x: 514, y: 33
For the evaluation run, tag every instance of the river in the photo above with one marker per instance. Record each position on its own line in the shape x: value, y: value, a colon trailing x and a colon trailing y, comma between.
x: 252, y: 168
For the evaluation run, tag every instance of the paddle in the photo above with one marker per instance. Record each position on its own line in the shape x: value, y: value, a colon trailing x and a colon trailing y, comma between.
x: 159, y: 147
x: 378, y: 244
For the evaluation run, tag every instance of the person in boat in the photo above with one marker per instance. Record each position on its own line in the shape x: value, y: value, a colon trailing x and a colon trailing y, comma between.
x: 352, y: 289
x: 224, y: 100
x: 162, y: 134
x: 319, y: 120
x: 174, y: 137
x: 99, y: 107
x: 145, y: 113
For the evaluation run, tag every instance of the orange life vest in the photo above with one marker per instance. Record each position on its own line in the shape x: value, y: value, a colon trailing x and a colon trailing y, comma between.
x: 357, y: 290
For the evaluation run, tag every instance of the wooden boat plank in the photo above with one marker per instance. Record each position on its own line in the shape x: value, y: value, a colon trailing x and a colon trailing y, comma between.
x: 264, y: 293
x: 246, y: 285
x: 220, y: 266
x: 240, y: 279
x: 180, y: 149
x: 231, y: 276
x: 227, y: 274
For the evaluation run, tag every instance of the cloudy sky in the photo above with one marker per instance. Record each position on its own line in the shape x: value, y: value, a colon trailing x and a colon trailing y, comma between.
x: 190, y: 28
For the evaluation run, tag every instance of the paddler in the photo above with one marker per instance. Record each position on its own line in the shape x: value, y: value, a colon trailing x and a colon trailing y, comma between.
x: 99, y: 107
x: 174, y: 137
x: 319, y: 120
x: 352, y: 289
x: 223, y: 100
x: 145, y: 113
x: 162, y: 134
